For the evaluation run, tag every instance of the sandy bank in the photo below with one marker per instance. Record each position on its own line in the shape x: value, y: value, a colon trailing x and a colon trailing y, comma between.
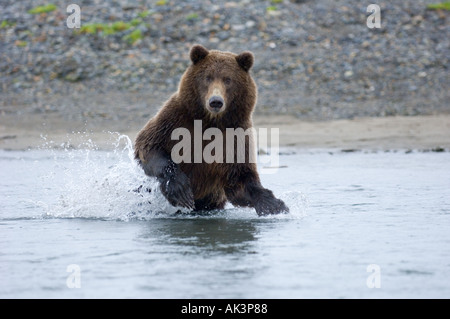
x: 387, y: 133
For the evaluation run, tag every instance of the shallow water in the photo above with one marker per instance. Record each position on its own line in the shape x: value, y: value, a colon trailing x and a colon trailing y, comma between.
x: 74, y: 219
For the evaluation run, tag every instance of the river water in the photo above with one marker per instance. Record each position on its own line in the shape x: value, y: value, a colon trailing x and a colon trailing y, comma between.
x: 75, y: 224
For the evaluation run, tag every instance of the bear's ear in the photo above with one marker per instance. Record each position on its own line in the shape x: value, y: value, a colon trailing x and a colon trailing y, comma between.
x: 245, y: 60
x: 198, y: 53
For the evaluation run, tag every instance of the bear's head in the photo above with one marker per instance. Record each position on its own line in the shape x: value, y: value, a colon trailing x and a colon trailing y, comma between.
x: 220, y: 82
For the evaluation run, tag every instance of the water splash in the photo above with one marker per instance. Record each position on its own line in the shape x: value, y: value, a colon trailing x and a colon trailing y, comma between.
x: 110, y: 185
x: 297, y: 202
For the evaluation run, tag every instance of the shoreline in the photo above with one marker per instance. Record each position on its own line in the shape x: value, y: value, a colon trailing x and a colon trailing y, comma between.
x: 423, y: 133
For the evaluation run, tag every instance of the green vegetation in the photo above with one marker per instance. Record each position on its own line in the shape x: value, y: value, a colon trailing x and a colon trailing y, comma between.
x: 144, y: 14
x: 134, y: 36
x: 161, y: 2
x: 443, y: 5
x: 271, y: 8
x: 119, y: 26
x: 42, y: 9
x: 105, y: 28
x: 90, y: 28
x: 20, y: 43
x: 192, y: 16
x: 276, y: 1
x: 135, y: 22
x: 6, y: 24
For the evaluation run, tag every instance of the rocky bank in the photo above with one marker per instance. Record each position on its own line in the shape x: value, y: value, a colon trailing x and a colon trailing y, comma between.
x: 315, y: 60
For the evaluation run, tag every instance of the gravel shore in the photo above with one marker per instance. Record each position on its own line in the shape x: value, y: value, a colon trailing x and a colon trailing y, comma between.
x: 314, y: 59
x: 318, y: 66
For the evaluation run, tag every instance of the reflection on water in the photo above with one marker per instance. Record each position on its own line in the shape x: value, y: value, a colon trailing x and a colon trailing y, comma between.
x: 200, y: 257
x: 219, y: 236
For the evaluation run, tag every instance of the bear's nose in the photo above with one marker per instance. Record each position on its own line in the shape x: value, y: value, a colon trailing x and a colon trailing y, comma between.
x: 216, y: 102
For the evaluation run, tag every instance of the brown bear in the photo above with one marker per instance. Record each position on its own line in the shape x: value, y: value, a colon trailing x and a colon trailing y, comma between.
x: 218, y: 90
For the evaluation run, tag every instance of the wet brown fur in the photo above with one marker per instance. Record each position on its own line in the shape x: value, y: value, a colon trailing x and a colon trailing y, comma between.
x: 211, y: 184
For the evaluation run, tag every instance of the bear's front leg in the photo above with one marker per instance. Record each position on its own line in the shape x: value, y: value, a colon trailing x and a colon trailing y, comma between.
x: 174, y: 184
x: 266, y: 203
x: 248, y: 191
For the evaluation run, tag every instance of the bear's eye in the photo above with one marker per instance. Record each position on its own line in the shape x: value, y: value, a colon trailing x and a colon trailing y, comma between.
x: 227, y: 81
x: 209, y: 79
